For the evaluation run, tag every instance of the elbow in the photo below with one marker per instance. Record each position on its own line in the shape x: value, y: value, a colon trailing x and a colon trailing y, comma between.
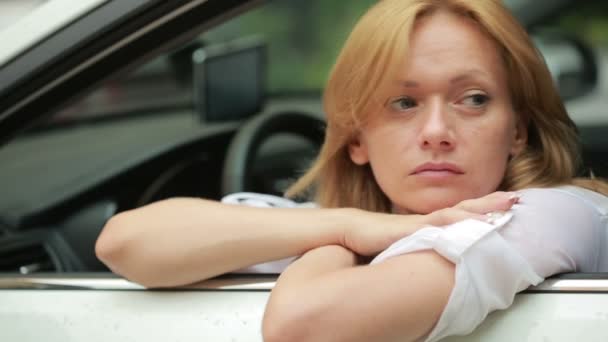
x: 112, y: 243
x: 122, y: 249
x: 115, y: 247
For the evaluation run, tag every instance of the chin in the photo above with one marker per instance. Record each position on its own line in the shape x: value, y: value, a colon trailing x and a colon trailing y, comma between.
x: 427, y: 208
x: 427, y: 201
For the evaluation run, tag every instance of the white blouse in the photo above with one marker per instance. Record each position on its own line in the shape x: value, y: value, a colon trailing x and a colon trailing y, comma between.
x: 549, y: 231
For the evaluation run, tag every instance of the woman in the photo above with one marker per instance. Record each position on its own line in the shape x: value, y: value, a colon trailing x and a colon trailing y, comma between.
x: 437, y: 110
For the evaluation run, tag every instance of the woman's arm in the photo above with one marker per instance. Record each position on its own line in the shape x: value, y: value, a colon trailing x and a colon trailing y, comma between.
x: 404, y: 294
x: 324, y: 296
x: 185, y: 240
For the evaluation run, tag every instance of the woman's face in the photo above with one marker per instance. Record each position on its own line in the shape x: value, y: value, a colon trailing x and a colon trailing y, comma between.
x: 447, y: 127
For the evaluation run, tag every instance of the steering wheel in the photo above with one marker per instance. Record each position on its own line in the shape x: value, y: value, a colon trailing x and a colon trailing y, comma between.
x: 236, y: 176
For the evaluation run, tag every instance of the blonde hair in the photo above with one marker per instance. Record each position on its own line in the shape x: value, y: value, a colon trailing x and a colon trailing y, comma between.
x: 378, y: 44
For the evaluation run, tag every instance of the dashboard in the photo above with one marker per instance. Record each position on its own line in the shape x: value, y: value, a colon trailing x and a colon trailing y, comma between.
x: 62, y: 185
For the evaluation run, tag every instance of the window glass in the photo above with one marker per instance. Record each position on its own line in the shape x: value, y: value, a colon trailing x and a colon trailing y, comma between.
x: 303, y: 39
x: 589, y: 21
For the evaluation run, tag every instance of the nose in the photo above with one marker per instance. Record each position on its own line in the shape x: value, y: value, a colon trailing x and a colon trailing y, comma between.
x: 436, y: 132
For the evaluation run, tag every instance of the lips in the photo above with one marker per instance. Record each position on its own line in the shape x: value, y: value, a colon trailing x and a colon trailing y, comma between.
x: 438, y: 168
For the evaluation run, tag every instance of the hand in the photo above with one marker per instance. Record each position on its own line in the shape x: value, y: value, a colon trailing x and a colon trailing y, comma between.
x: 475, y: 208
x: 371, y: 233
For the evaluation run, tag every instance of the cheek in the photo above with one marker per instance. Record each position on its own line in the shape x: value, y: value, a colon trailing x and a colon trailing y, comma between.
x: 389, y: 145
x: 391, y: 154
x: 489, y: 145
x: 495, y: 135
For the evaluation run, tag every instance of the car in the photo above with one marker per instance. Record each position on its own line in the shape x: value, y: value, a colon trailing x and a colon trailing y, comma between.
x: 108, y: 105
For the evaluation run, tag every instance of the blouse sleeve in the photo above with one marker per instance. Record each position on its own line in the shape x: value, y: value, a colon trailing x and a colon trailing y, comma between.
x: 253, y: 199
x: 549, y: 231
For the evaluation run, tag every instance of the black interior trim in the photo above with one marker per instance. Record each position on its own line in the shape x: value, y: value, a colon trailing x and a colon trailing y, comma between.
x: 581, y: 276
x: 182, y: 27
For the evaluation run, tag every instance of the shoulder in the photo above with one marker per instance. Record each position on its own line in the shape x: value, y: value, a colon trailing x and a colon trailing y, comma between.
x: 558, y: 229
x: 569, y: 198
x: 564, y: 208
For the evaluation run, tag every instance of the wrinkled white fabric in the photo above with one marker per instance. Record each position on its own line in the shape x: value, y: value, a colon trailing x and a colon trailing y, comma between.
x: 253, y: 199
x: 549, y: 231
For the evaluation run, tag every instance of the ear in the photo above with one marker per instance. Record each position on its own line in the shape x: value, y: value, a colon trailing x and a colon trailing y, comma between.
x: 520, y: 141
x: 357, y: 150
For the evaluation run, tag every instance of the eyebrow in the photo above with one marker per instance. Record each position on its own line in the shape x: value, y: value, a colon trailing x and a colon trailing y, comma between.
x: 467, y: 75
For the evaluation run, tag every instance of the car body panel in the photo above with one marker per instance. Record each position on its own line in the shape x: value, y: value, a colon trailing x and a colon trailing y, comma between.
x: 95, y: 309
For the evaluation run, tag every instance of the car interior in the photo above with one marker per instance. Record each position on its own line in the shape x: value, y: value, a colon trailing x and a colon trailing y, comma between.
x: 212, y: 117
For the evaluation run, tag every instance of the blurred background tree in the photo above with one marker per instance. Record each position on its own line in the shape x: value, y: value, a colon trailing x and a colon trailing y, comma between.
x: 322, y: 26
x: 312, y: 44
x: 588, y: 20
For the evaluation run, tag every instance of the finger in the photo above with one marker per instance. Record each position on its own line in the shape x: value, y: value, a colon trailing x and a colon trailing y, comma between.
x: 498, y: 201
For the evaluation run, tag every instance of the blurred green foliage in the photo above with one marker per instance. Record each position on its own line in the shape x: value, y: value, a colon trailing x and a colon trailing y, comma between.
x: 305, y: 36
x: 303, y: 33
x: 588, y: 20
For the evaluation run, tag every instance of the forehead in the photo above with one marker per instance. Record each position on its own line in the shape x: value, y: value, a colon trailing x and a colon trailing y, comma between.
x: 447, y: 42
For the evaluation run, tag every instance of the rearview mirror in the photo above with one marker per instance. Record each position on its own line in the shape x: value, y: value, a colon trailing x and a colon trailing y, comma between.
x: 229, y: 79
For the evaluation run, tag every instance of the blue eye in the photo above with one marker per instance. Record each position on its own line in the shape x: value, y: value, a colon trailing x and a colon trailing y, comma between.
x: 476, y: 100
x: 403, y: 103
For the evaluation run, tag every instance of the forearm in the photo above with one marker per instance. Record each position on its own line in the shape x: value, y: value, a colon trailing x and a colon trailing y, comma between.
x: 397, y: 300
x: 181, y: 241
